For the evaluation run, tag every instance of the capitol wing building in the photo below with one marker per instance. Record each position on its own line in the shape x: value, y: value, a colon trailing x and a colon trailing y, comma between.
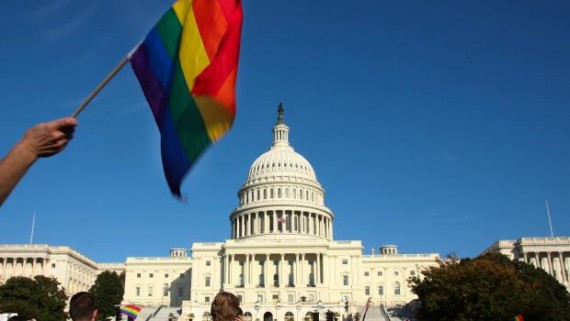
x: 282, y: 260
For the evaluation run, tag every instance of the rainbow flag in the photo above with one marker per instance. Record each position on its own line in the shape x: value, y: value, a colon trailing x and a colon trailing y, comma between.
x: 131, y: 311
x: 187, y: 68
x: 519, y: 318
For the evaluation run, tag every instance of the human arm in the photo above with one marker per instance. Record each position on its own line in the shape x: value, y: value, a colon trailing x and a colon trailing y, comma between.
x: 42, y: 140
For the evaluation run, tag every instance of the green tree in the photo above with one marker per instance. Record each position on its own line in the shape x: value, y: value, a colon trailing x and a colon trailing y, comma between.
x: 41, y: 298
x: 108, y: 291
x: 490, y: 287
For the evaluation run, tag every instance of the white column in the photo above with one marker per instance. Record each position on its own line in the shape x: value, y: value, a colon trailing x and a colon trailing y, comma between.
x: 281, y: 270
x: 231, y: 259
x: 567, y: 268
x: 246, y: 270
x: 326, y: 270
x: 329, y: 221
x: 245, y: 225
x: 44, y: 266
x: 34, y: 266
x: 241, y: 231
x: 320, y: 221
x: 296, y: 270
x: 302, y: 276
x: 550, y: 264
x: 255, y: 217
x: 266, y: 270
x: 318, y: 269
x: 562, y: 269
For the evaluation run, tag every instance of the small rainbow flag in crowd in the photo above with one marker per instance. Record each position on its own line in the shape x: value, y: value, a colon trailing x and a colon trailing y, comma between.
x: 519, y: 318
x: 187, y: 68
x: 131, y: 311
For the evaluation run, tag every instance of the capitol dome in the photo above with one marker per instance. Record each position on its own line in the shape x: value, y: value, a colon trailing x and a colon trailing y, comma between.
x: 281, y: 193
x: 281, y: 159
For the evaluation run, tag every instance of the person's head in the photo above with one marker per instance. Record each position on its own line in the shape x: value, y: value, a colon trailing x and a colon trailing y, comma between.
x: 225, y: 307
x: 82, y: 307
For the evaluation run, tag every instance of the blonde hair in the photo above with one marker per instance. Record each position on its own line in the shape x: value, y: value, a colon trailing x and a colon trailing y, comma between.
x: 225, y: 307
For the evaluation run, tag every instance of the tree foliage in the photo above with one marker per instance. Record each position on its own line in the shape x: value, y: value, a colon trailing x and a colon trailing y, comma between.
x: 40, y: 298
x: 490, y: 287
x: 108, y: 291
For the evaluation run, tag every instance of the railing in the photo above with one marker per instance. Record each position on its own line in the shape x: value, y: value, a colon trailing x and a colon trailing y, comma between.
x: 383, y: 310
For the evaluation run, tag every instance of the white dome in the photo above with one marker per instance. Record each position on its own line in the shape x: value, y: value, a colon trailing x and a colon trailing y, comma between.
x: 281, y: 160
x: 281, y: 194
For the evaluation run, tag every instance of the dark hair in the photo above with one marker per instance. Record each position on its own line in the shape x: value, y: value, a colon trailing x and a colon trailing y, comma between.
x: 82, y: 306
x: 225, y: 307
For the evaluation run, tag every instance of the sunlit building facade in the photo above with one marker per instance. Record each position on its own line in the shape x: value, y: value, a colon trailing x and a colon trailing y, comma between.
x: 551, y: 254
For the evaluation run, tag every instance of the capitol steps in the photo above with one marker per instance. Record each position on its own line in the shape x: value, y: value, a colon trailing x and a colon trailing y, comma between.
x: 373, y: 314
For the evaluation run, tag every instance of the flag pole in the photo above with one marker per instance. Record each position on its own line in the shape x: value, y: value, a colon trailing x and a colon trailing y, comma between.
x: 549, y: 220
x: 101, y: 85
x: 33, y: 225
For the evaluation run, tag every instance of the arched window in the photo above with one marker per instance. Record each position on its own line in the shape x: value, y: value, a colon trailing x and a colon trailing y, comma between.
x: 294, y: 193
x: 279, y: 193
x: 289, y: 316
x: 397, y: 288
x: 165, y: 289
x: 206, y: 316
x: 286, y: 192
x: 264, y: 194
x: 271, y: 193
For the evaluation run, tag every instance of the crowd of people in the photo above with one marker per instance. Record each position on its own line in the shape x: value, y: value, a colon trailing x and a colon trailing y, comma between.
x: 225, y: 307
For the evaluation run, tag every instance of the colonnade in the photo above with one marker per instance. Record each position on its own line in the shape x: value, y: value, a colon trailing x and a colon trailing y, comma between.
x: 76, y: 278
x: 282, y: 221
x: 22, y: 266
x: 79, y: 278
x: 275, y: 270
x: 556, y: 264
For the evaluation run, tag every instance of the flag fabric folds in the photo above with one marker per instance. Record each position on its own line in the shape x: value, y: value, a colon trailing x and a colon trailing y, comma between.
x: 187, y: 69
x: 519, y: 318
x: 131, y: 311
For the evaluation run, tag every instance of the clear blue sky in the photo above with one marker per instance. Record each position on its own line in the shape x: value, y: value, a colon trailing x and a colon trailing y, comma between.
x: 439, y: 126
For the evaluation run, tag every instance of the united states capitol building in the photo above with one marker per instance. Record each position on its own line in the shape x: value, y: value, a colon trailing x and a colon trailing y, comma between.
x: 281, y: 260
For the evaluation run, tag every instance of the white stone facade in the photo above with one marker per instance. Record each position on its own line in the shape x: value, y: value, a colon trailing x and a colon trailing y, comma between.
x: 73, y: 270
x: 551, y: 254
x: 158, y: 281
